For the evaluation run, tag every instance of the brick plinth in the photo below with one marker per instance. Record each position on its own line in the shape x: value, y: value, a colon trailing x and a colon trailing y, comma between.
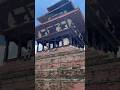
x: 60, y: 69
x: 102, y: 71
x: 17, y: 75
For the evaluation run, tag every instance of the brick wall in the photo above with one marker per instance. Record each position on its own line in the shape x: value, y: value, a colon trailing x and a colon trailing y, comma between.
x: 102, y: 72
x: 61, y: 69
x: 17, y: 75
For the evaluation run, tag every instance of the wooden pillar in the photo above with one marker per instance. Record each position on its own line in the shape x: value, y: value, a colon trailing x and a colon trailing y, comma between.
x: 62, y: 42
x: 43, y: 46
x: 93, y: 39
x: 33, y: 46
x: 54, y: 43
x: 70, y: 40
x: 19, y: 47
x: 6, y: 49
x: 49, y: 45
x: 37, y: 46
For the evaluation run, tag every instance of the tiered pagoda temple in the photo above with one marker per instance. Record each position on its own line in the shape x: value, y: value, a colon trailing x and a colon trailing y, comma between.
x: 17, y: 27
x: 102, y: 27
x: 62, y: 25
x: 60, y: 58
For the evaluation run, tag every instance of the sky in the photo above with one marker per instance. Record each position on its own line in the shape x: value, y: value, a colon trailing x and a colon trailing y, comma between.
x: 42, y: 5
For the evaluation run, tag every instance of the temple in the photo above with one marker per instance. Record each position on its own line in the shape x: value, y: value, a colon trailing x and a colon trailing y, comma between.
x: 62, y: 25
x: 102, y: 29
x: 60, y: 56
x: 17, y: 29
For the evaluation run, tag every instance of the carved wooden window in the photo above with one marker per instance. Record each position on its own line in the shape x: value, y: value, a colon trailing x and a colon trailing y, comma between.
x: 58, y: 27
x: 64, y: 25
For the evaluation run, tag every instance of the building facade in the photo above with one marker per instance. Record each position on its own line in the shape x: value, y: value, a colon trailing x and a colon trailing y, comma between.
x: 60, y: 57
x: 102, y: 70
x: 17, y: 29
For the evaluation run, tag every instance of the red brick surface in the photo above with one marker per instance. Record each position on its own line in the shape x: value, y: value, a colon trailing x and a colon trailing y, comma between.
x: 62, y: 69
x: 17, y: 75
x: 102, y: 72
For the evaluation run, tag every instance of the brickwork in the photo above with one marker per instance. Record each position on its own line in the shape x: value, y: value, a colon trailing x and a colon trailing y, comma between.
x: 102, y: 72
x: 17, y: 75
x: 60, y: 69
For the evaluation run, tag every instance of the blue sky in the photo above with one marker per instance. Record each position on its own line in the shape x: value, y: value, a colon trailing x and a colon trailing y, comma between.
x: 41, y: 7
